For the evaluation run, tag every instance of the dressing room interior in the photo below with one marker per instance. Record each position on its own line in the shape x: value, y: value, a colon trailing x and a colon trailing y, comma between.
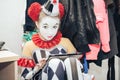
x: 60, y: 40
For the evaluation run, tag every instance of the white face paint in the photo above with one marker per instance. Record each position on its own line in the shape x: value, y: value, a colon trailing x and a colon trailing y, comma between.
x: 48, y: 27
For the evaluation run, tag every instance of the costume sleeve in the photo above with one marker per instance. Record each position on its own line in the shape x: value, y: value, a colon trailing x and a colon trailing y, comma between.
x: 26, y: 50
x: 29, y: 68
x: 102, y: 23
x: 27, y: 63
x: 69, y: 46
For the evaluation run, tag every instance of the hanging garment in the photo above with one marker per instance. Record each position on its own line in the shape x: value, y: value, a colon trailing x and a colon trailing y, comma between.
x: 111, y: 69
x: 109, y: 2
x: 113, y: 39
x: 117, y: 22
x: 78, y: 24
x: 102, y: 26
x: 92, y: 32
x: 113, y: 42
x: 117, y: 25
x: 73, y: 29
x: 117, y: 6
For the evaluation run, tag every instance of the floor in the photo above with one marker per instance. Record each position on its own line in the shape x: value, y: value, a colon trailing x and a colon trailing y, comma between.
x: 101, y: 72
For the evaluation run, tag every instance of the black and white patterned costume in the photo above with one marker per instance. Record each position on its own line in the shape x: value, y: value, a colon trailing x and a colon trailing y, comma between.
x: 55, y: 69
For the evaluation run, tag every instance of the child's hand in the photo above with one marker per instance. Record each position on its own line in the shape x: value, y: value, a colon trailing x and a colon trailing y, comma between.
x: 41, y: 63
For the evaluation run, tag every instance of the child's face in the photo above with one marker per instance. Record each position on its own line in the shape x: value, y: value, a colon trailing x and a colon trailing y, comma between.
x: 48, y: 27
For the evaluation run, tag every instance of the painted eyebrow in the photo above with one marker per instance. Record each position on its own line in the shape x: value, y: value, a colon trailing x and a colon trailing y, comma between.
x: 45, y: 24
x: 57, y: 24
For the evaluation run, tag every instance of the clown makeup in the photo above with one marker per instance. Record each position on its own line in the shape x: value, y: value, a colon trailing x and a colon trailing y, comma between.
x: 48, y: 27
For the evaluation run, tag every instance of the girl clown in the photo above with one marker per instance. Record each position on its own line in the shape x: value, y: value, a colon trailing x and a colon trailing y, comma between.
x: 47, y: 41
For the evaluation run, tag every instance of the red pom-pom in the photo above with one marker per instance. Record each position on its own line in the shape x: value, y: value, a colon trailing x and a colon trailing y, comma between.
x: 61, y: 10
x: 34, y: 11
x: 54, y: 1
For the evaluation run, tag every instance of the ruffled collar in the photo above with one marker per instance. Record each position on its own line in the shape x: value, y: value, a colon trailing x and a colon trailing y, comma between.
x: 46, y: 44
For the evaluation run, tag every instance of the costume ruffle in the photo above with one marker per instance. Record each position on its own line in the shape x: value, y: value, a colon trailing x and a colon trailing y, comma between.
x: 24, y: 62
x: 46, y: 44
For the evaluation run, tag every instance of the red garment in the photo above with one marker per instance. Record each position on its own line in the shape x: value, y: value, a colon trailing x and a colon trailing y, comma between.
x: 102, y: 23
x: 103, y: 27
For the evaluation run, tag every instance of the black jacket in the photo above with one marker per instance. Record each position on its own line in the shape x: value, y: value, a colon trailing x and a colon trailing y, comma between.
x: 79, y: 24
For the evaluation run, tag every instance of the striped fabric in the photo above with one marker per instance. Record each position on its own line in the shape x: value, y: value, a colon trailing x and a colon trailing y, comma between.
x: 73, y: 69
x: 55, y: 69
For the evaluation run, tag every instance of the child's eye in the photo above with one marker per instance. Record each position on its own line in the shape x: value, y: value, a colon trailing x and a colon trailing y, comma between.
x: 45, y: 27
x: 55, y: 27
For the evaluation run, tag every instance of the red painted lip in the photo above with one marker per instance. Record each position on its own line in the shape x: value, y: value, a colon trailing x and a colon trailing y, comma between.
x: 49, y: 36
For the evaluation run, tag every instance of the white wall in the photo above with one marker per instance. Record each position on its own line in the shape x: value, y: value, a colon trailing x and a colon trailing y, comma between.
x: 11, y: 20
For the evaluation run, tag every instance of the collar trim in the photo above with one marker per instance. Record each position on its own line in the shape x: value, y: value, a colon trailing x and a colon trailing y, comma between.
x: 46, y: 44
